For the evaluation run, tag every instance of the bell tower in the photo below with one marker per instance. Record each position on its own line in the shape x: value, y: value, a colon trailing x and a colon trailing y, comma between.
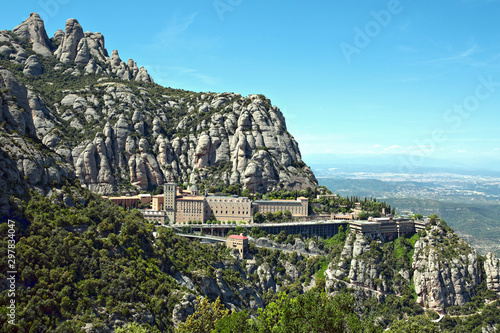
x: 169, y: 194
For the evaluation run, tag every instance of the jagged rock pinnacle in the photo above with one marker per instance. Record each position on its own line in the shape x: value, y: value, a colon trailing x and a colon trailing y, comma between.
x: 33, y: 29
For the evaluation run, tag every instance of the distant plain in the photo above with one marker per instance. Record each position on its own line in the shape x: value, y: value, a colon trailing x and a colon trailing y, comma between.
x: 468, y: 200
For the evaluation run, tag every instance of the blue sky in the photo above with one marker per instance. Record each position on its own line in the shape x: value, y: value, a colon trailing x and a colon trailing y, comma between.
x: 370, y: 78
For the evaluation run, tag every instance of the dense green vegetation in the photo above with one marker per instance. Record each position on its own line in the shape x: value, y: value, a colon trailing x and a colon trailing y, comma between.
x: 97, y: 263
x: 317, y: 312
x: 76, y: 262
x: 485, y: 320
x: 94, y: 262
x: 310, y: 312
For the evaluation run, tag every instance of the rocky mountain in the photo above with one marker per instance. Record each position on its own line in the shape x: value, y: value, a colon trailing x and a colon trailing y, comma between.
x: 70, y: 111
x: 106, y: 122
x: 442, y: 269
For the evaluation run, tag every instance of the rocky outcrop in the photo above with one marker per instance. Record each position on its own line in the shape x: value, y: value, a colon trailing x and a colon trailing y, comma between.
x: 339, y: 268
x: 15, y: 105
x: 445, y: 274
x: 298, y: 245
x: 358, y: 265
x: 32, y: 67
x: 24, y: 162
x: 492, y: 271
x: 142, y: 75
x: 117, y: 134
x: 445, y: 269
x: 217, y: 140
x: 33, y: 29
x: 68, y: 49
x: 184, y: 308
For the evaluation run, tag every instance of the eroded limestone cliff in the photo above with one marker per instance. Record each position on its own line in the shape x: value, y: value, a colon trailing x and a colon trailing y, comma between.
x: 116, y: 130
x: 443, y: 269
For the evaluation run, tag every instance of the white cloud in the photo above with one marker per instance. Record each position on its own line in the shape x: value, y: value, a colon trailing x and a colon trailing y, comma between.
x: 177, y: 25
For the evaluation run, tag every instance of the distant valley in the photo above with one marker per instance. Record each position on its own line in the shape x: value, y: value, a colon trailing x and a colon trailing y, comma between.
x: 468, y: 200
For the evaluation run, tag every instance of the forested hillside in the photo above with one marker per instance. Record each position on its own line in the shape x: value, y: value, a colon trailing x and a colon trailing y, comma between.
x: 88, y: 263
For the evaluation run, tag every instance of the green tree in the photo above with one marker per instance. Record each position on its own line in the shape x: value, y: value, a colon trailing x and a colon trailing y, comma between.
x: 278, y: 216
x: 237, y: 322
x: 132, y: 328
x: 363, y: 215
x: 433, y: 219
x: 205, y: 316
x: 258, y: 218
x: 310, y: 312
x: 245, y: 193
x: 269, y: 216
x: 418, y: 324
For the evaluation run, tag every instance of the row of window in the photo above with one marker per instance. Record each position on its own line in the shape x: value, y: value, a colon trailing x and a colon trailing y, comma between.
x: 227, y: 212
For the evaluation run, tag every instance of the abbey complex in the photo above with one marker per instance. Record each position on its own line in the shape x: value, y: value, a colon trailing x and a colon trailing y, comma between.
x: 179, y: 206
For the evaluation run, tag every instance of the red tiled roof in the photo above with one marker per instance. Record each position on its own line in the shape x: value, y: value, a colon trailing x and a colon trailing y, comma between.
x: 237, y: 237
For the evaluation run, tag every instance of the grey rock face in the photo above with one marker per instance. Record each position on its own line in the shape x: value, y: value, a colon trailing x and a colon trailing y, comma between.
x: 150, y: 161
x: 440, y: 281
x: 43, y: 120
x: 492, y: 270
x: 32, y: 67
x: 313, y: 247
x: 142, y: 75
x: 59, y: 35
x: 245, y: 135
x: 351, y: 264
x: 33, y: 29
x: 184, y: 308
x: 5, y: 50
x: 95, y: 42
x: 68, y: 49
x: 23, y: 164
x: 16, y: 111
x: 83, y: 53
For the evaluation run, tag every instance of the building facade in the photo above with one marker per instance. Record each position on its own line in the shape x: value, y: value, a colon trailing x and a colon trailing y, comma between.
x: 187, y: 206
x: 145, y: 199
x: 298, y: 208
x: 125, y: 202
x: 343, y: 217
x: 387, y: 227
x: 169, y: 200
x: 190, y: 209
x: 229, y: 208
x: 238, y: 242
x: 154, y: 216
